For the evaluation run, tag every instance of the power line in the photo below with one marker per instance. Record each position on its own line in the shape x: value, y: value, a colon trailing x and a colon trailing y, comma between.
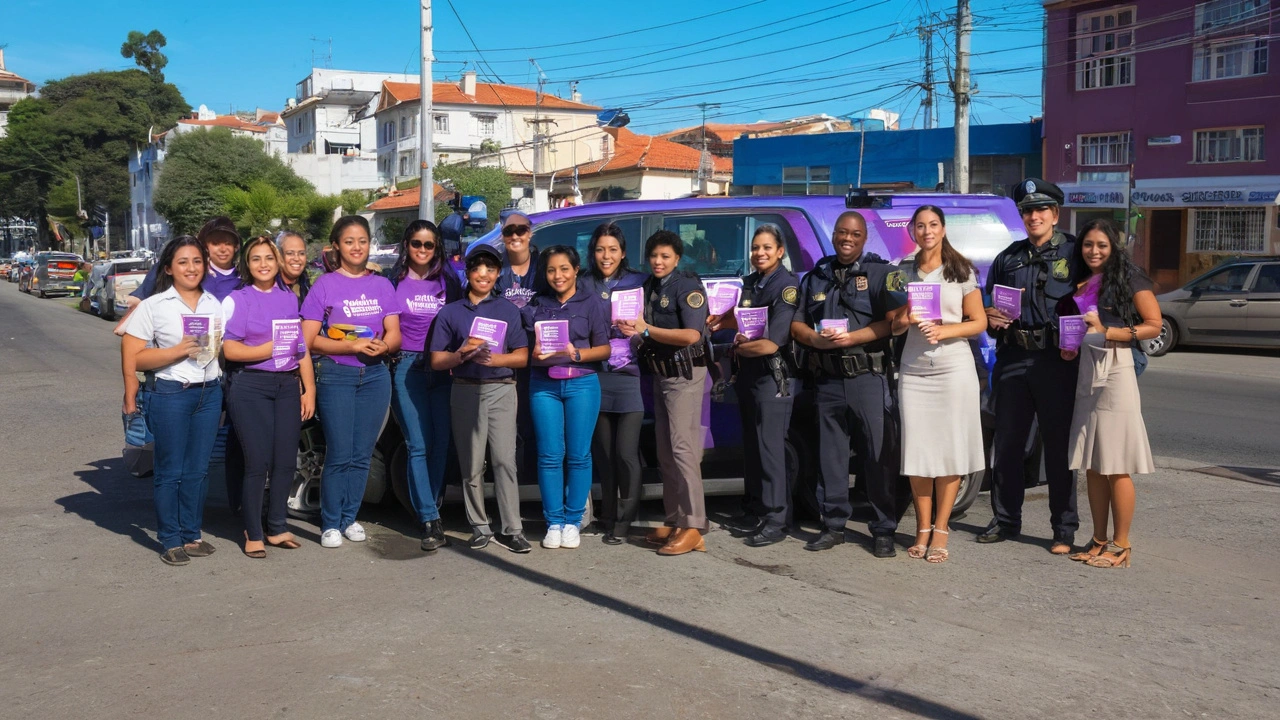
x: 479, y: 54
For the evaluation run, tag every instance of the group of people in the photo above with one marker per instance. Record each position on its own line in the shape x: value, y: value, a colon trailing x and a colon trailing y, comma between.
x: 552, y: 348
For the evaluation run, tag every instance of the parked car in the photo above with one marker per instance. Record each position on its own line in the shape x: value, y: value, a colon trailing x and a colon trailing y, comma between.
x: 5, y: 264
x: 111, y: 282
x: 14, y: 271
x: 1236, y: 304
x: 717, y: 232
x: 54, y: 272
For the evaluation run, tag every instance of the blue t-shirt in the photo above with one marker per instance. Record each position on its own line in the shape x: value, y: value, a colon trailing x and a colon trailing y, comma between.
x: 452, y: 327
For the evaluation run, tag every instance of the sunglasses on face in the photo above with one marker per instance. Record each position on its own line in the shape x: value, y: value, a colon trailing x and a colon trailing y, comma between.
x: 511, y: 230
x: 422, y: 244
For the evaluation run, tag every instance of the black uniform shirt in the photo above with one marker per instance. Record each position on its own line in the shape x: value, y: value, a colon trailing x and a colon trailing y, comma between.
x: 778, y: 291
x: 677, y: 301
x: 864, y: 292
x: 1046, y: 275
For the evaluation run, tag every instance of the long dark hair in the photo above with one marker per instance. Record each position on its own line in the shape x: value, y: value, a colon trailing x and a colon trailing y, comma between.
x: 610, y: 229
x: 956, y: 268
x: 1115, y: 292
x: 164, y: 280
x: 246, y: 276
x: 434, y: 266
x: 544, y: 258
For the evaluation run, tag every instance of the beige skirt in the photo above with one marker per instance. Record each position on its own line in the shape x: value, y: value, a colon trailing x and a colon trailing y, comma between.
x: 1107, y: 432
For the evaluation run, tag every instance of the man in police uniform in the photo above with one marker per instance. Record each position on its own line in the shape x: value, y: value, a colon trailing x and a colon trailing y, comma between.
x: 850, y: 370
x: 1031, y: 380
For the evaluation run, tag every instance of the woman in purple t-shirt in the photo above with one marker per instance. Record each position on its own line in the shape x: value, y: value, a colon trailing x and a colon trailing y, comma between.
x: 271, y: 392
x: 357, y: 312
x: 420, y: 396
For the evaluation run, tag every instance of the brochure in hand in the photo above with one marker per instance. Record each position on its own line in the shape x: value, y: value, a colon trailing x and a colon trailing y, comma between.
x: 1071, y: 331
x: 553, y: 335
x: 627, y: 304
x: 207, y: 333
x: 841, y: 324
x: 925, y: 300
x: 619, y: 353
x: 286, y: 342
x: 752, y: 322
x: 722, y: 296
x: 493, y: 332
x: 1007, y: 300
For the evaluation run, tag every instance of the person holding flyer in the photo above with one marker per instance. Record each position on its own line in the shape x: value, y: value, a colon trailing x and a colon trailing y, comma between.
x: 174, y: 336
x: 938, y: 395
x: 1108, y: 436
x: 615, y: 449
x: 357, y: 312
x: 271, y: 393
x: 766, y: 385
x: 480, y: 338
x: 570, y: 339
x: 420, y: 396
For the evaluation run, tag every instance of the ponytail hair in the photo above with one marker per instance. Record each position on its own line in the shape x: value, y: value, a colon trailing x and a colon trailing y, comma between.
x: 955, y: 267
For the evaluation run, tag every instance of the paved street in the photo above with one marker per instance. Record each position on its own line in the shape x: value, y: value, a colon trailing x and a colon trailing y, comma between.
x: 94, y: 626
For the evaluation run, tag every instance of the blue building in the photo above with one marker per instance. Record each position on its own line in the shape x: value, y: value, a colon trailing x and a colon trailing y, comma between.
x: 828, y: 163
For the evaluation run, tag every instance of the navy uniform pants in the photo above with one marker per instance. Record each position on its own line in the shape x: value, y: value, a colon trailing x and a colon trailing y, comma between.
x: 765, y: 421
x: 1039, y: 385
x: 862, y: 409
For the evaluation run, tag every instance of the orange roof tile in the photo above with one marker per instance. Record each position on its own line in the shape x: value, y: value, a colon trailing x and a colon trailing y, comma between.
x: 227, y: 121
x: 632, y: 151
x: 394, y: 93
x: 727, y: 132
x: 405, y: 199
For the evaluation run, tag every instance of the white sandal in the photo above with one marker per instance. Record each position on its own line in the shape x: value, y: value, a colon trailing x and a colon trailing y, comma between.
x: 918, y: 551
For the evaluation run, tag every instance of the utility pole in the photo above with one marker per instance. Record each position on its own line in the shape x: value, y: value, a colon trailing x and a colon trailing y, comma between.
x: 538, y: 134
x: 926, y: 39
x: 426, y: 182
x: 964, y: 27
x: 705, y: 164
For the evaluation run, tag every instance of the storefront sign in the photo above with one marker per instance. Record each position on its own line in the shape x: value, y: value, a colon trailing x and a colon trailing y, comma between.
x: 1164, y: 140
x: 1105, y: 195
x: 1205, y: 196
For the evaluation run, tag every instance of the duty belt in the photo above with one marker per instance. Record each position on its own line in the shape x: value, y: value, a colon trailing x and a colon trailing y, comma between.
x: 678, y: 364
x: 1036, y: 339
x: 848, y: 366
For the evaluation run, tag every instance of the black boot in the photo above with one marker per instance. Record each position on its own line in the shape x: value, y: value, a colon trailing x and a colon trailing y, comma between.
x: 433, y: 535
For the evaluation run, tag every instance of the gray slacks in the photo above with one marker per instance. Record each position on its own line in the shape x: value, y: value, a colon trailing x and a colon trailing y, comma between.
x: 486, y: 415
x: 677, y: 414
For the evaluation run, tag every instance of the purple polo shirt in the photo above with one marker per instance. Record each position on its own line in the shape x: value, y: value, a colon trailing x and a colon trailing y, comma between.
x: 338, y: 299
x: 419, y: 302
x: 255, y: 317
x: 453, y: 327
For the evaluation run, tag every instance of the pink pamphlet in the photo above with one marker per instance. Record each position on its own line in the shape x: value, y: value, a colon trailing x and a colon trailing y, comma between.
x: 722, y: 296
x: 492, y: 332
x: 619, y: 353
x: 553, y: 335
x: 752, y: 322
x: 627, y: 304
x: 1071, y: 331
x: 925, y: 300
x: 841, y: 324
x: 1007, y: 300
x: 1087, y: 296
x: 286, y: 342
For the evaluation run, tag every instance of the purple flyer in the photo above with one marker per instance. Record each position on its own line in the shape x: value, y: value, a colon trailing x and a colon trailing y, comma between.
x: 925, y: 300
x: 627, y: 304
x: 841, y: 324
x: 553, y: 335
x: 619, y: 353
x: 286, y: 342
x: 1071, y: 331
x: 196, y: 325
x: 752, y: 322
x: 1007, y: 300
x: 722, y: 296
x: 492, y: 332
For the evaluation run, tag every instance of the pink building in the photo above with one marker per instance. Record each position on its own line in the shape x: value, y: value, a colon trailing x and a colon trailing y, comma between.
x: 1159, y: 110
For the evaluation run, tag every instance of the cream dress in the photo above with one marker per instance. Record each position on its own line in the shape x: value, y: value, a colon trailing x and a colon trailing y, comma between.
x: 1108, y: 435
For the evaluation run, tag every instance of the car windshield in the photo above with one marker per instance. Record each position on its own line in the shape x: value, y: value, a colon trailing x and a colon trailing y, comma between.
x: 1230, y: 279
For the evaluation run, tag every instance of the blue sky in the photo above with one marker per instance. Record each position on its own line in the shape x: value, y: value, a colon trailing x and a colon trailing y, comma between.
x: 759, y: 59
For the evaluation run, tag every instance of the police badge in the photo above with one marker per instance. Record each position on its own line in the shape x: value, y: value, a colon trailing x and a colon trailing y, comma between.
x: 1029, y: 187
x: 695, y: 299
x: 665, y: 301
x: 604, y: 294
x: 746, y: 303
x: 1060, y: 271
x: 819, y: 297
x: 860, y: 283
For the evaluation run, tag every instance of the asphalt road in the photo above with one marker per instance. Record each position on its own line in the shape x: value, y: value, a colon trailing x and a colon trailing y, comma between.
x: 94, y: 626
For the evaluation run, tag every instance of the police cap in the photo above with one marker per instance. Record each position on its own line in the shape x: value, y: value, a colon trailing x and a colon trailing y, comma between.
x: 483, y: 253
x: 1035, y: 193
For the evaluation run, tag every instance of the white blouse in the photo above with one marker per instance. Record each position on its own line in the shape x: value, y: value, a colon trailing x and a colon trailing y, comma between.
x: 159, y: 321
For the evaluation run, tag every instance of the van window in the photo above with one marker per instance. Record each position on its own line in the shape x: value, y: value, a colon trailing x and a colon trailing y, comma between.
x: 717, y: 245
x: 577, y: 234
x: 979, y: 236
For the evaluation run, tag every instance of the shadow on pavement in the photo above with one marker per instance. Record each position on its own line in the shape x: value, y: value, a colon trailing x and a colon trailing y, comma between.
x: 907, y: 702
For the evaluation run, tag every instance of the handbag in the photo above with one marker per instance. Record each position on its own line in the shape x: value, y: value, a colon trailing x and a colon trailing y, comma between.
x: 139, y: 445
x: 1139, y: 358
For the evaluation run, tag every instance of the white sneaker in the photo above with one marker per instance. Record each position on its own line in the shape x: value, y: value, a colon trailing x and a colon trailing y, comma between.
x: 569, y: 537
x: 552, y: 539
x: 331, y: 539
x: 354, y: 532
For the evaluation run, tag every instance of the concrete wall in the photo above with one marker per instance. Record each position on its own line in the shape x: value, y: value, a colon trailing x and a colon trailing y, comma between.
x: 331, y: 174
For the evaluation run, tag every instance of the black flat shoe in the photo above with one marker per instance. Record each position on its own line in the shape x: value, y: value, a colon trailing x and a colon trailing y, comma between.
x: 514, y: 542
x: 175, y: 556
x: 611, y: 539
x: 199, y: 549
x: 765, y: 538
x: 883, y: 547
x: 479, y: 541
x: 827, y: 540
x: 745, y: 522
x: 997, y: 533
x: 433, y: 537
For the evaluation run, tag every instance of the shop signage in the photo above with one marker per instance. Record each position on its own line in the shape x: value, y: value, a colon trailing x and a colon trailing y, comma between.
x: 1205, y: 196
x: 1164, y: 140
x: 1115, y: 195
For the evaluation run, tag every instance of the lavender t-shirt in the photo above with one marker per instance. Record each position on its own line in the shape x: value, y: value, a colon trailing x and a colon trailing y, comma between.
x: 257, y: 317
x: 364, y: 301
x: 419, y: 302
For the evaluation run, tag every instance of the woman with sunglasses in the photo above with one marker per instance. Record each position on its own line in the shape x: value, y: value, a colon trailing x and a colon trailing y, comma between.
x: 420, y: 396
x: 360, y: 319
x: 518, y: 281
x: 271, y: 393
x: 615, y: 449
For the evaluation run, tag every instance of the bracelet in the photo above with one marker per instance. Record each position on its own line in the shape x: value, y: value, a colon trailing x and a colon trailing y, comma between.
x: 1133, y: 334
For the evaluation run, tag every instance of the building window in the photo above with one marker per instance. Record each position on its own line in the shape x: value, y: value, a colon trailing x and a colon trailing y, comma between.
x: 996, y: 174
x: 1104, y: 49
x: 1239, y: 58
x: 441, y: 123
x: 404, y: 126
x: 486, y: 125
x: 388, y: 132
x: 1230, y: 145
x: 1218, y: 14
x: 604, y: 146
x: 405, y: 164
x: 1102, y: 177
x: 815, y: 180
x: 1228, y: 230
x: 1112, y: 149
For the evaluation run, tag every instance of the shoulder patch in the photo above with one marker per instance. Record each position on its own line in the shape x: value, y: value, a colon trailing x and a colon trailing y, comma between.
x: 789, y: 295
x: 895, y: 281
x: 695, y: 299
x: 1060, y: 270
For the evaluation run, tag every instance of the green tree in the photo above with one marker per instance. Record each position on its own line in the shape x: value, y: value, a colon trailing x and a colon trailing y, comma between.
x: 145, y: 51
x: 491, y: 183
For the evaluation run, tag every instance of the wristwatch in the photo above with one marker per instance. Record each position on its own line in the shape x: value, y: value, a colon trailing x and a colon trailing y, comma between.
x: 645, y: 334
x: 577, y: 355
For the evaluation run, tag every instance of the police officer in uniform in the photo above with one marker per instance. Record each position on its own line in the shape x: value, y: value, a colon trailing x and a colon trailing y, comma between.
x: 766, y: 384
x: 1031, y: 380
x: 850, y: 369
x: 670, y: 340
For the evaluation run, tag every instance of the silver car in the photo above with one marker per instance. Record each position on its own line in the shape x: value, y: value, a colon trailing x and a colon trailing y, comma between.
x: 1236, y: 304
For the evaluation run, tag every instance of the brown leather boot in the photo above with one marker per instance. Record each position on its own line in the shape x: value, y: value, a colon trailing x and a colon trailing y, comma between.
x: 659, y: 536
x: 684, y: 541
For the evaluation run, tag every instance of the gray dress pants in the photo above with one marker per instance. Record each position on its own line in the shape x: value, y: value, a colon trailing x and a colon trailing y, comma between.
x: 677, y: 415
x: 485, y: 415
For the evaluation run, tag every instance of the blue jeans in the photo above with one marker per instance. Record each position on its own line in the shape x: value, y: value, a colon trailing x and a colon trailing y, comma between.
x: 352, y: 403
x: 421, y: 403
x: 184, y: 422
x: 564, y: 418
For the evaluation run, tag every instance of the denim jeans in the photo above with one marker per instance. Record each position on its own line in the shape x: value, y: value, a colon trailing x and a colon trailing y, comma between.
x: 421, y: 403
x: 184, y: 421
x: 352, y: 404
x: 564, y: 417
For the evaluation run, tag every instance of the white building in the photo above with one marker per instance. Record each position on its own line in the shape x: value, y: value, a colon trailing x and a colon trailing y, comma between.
x: 13, y: 88
x: 488, y: 123
x: 331, y: 112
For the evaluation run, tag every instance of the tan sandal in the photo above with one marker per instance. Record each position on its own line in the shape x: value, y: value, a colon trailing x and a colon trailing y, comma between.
x: 938, y: 554
x: 1094, y: 551
x: 1114, y: 557
x: 918, y: 550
